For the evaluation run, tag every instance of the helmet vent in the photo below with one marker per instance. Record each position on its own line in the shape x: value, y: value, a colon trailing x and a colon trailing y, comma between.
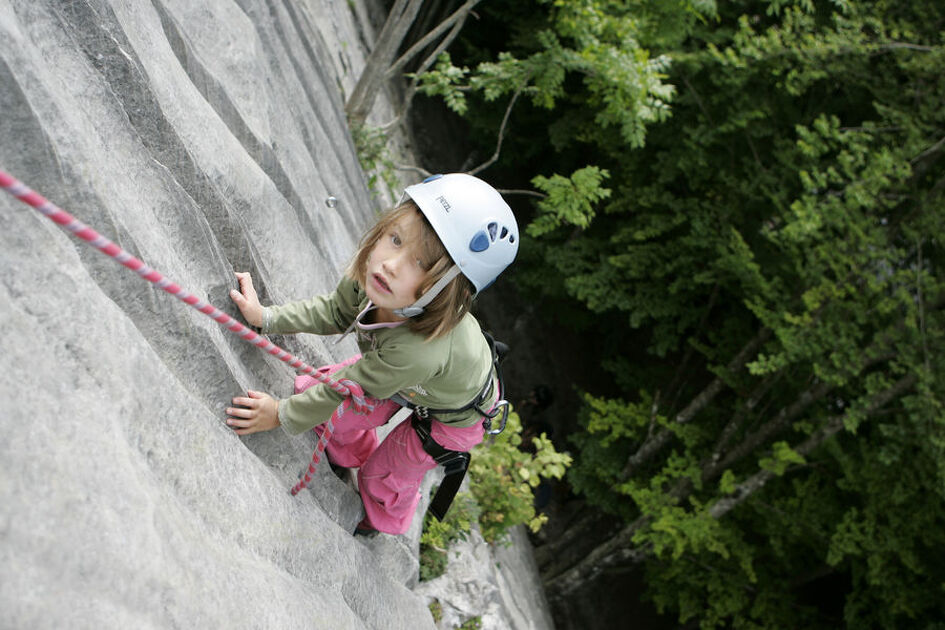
x: 479, y: 242
x: 505, y: 231
x: 493, y: 228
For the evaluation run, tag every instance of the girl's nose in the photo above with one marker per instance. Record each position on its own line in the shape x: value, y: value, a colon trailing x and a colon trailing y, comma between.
x: 396, y: 261
x: 391, y: 264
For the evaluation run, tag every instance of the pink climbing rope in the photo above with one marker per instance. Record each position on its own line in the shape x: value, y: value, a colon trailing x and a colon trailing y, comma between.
x: 62, y: 218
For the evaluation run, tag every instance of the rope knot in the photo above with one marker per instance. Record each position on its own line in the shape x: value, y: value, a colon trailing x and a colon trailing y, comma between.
x: 362, y: 404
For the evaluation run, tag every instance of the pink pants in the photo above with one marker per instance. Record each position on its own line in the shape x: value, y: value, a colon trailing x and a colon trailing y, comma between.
x: 390, y: 472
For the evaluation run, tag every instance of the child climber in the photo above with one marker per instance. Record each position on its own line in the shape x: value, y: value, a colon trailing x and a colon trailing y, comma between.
x: 407, y: 294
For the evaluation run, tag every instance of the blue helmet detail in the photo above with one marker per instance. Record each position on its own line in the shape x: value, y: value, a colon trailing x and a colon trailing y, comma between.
x: 479, y: 242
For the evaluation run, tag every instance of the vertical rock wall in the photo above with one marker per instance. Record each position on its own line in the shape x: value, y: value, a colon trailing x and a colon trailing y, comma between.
x: 203, y: 137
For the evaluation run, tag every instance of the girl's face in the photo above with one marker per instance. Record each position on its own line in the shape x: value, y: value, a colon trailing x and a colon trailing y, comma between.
x: 394, y: 271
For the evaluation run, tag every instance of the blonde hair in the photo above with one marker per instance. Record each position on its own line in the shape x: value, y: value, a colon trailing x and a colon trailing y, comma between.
x: 447, y: 309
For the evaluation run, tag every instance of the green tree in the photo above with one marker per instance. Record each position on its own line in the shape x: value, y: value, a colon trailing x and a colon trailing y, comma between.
x: 581, y: 59
x: 752, y: 213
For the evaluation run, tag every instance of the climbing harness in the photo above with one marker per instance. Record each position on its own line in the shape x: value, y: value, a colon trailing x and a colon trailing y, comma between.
x: 62, y: 218
x: 456, y: 463
x: 498, y: 350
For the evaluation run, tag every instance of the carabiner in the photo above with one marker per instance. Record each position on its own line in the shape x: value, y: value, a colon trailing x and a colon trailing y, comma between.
x: 505, y: 407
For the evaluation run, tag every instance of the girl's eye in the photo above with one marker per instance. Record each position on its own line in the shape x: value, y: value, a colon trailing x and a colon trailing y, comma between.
x: 395, y: 239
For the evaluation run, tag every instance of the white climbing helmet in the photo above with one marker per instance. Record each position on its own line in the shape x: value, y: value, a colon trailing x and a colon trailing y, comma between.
x: 474, y: 224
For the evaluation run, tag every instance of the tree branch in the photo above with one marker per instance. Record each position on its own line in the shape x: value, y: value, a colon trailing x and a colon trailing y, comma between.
x: 922, y: 329
x: 932, y: 149
x: 651, y: 446
x: 906, y: 46
x: 569, y: 546
x: 458, y: 16
x: 422, y: 172
x: 620, y: 549
x: 674, y: 387
x: 605, y: 555
x: 412, y: 90
x: 783, y: 419
x: 739, y: 416
x: 531, y: 193
x: 498, y: 146
x: 828, y: 430
x: 395, y: 28
x: 769, y: 429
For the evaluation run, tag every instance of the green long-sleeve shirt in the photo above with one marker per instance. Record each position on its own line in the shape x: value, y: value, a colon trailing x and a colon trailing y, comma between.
x: 443, y: 373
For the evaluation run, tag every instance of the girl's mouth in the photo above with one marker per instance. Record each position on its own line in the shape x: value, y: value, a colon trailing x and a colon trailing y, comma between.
x: 380, y: 282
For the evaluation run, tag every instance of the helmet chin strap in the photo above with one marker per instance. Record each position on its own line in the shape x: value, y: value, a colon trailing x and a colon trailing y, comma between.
x: 417, y: 307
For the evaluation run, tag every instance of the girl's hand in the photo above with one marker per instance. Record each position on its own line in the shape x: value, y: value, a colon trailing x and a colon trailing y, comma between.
x: 259, y: 412
x: 247, y: 300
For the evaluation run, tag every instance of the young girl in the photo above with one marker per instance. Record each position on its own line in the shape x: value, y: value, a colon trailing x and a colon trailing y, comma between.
x: 407, y: 294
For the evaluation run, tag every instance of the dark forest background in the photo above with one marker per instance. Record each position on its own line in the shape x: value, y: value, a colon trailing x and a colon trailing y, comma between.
x: 732, y: 278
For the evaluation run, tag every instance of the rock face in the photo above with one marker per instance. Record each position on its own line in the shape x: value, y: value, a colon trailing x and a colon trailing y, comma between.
x: 499, y: 584
x: 202, y: 137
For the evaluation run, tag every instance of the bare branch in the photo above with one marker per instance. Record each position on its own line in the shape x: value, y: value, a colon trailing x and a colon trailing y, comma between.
x: 498, y: 146
x: 425, y: 65
x: 932, y: 149
x: 739, y: 416
x: 531, y: 193
x: 395, y: 28
x: 613, y: 550
x: 784, y: 418
x: 674, y: 386
x: 570, y: 545
x: 422, y: 172
x: 906, y: 46
x: 455, y: 20
x: 922, y: 329
x: 769, y: 429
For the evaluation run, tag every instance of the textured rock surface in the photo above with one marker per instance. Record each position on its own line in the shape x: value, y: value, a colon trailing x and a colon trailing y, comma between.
x: 499, y: 584
x: 203, y: 137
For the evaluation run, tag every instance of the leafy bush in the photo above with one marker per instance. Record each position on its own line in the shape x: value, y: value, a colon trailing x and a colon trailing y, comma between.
x: 503, y: 478
x: 436, y: 609
x: 437, y: 535
x: 374, y: 156
x: 473, y: 623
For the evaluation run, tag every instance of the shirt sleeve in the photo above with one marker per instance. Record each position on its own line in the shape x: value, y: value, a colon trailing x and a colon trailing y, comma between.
x: 381, y: 373
x: 322, y: 315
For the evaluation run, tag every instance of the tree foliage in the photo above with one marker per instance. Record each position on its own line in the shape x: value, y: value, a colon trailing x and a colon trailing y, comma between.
x: 747, y: 202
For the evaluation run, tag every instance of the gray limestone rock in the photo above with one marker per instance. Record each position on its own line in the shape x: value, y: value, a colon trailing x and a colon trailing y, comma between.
x: 203, y: 138
x: 498, y: 584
